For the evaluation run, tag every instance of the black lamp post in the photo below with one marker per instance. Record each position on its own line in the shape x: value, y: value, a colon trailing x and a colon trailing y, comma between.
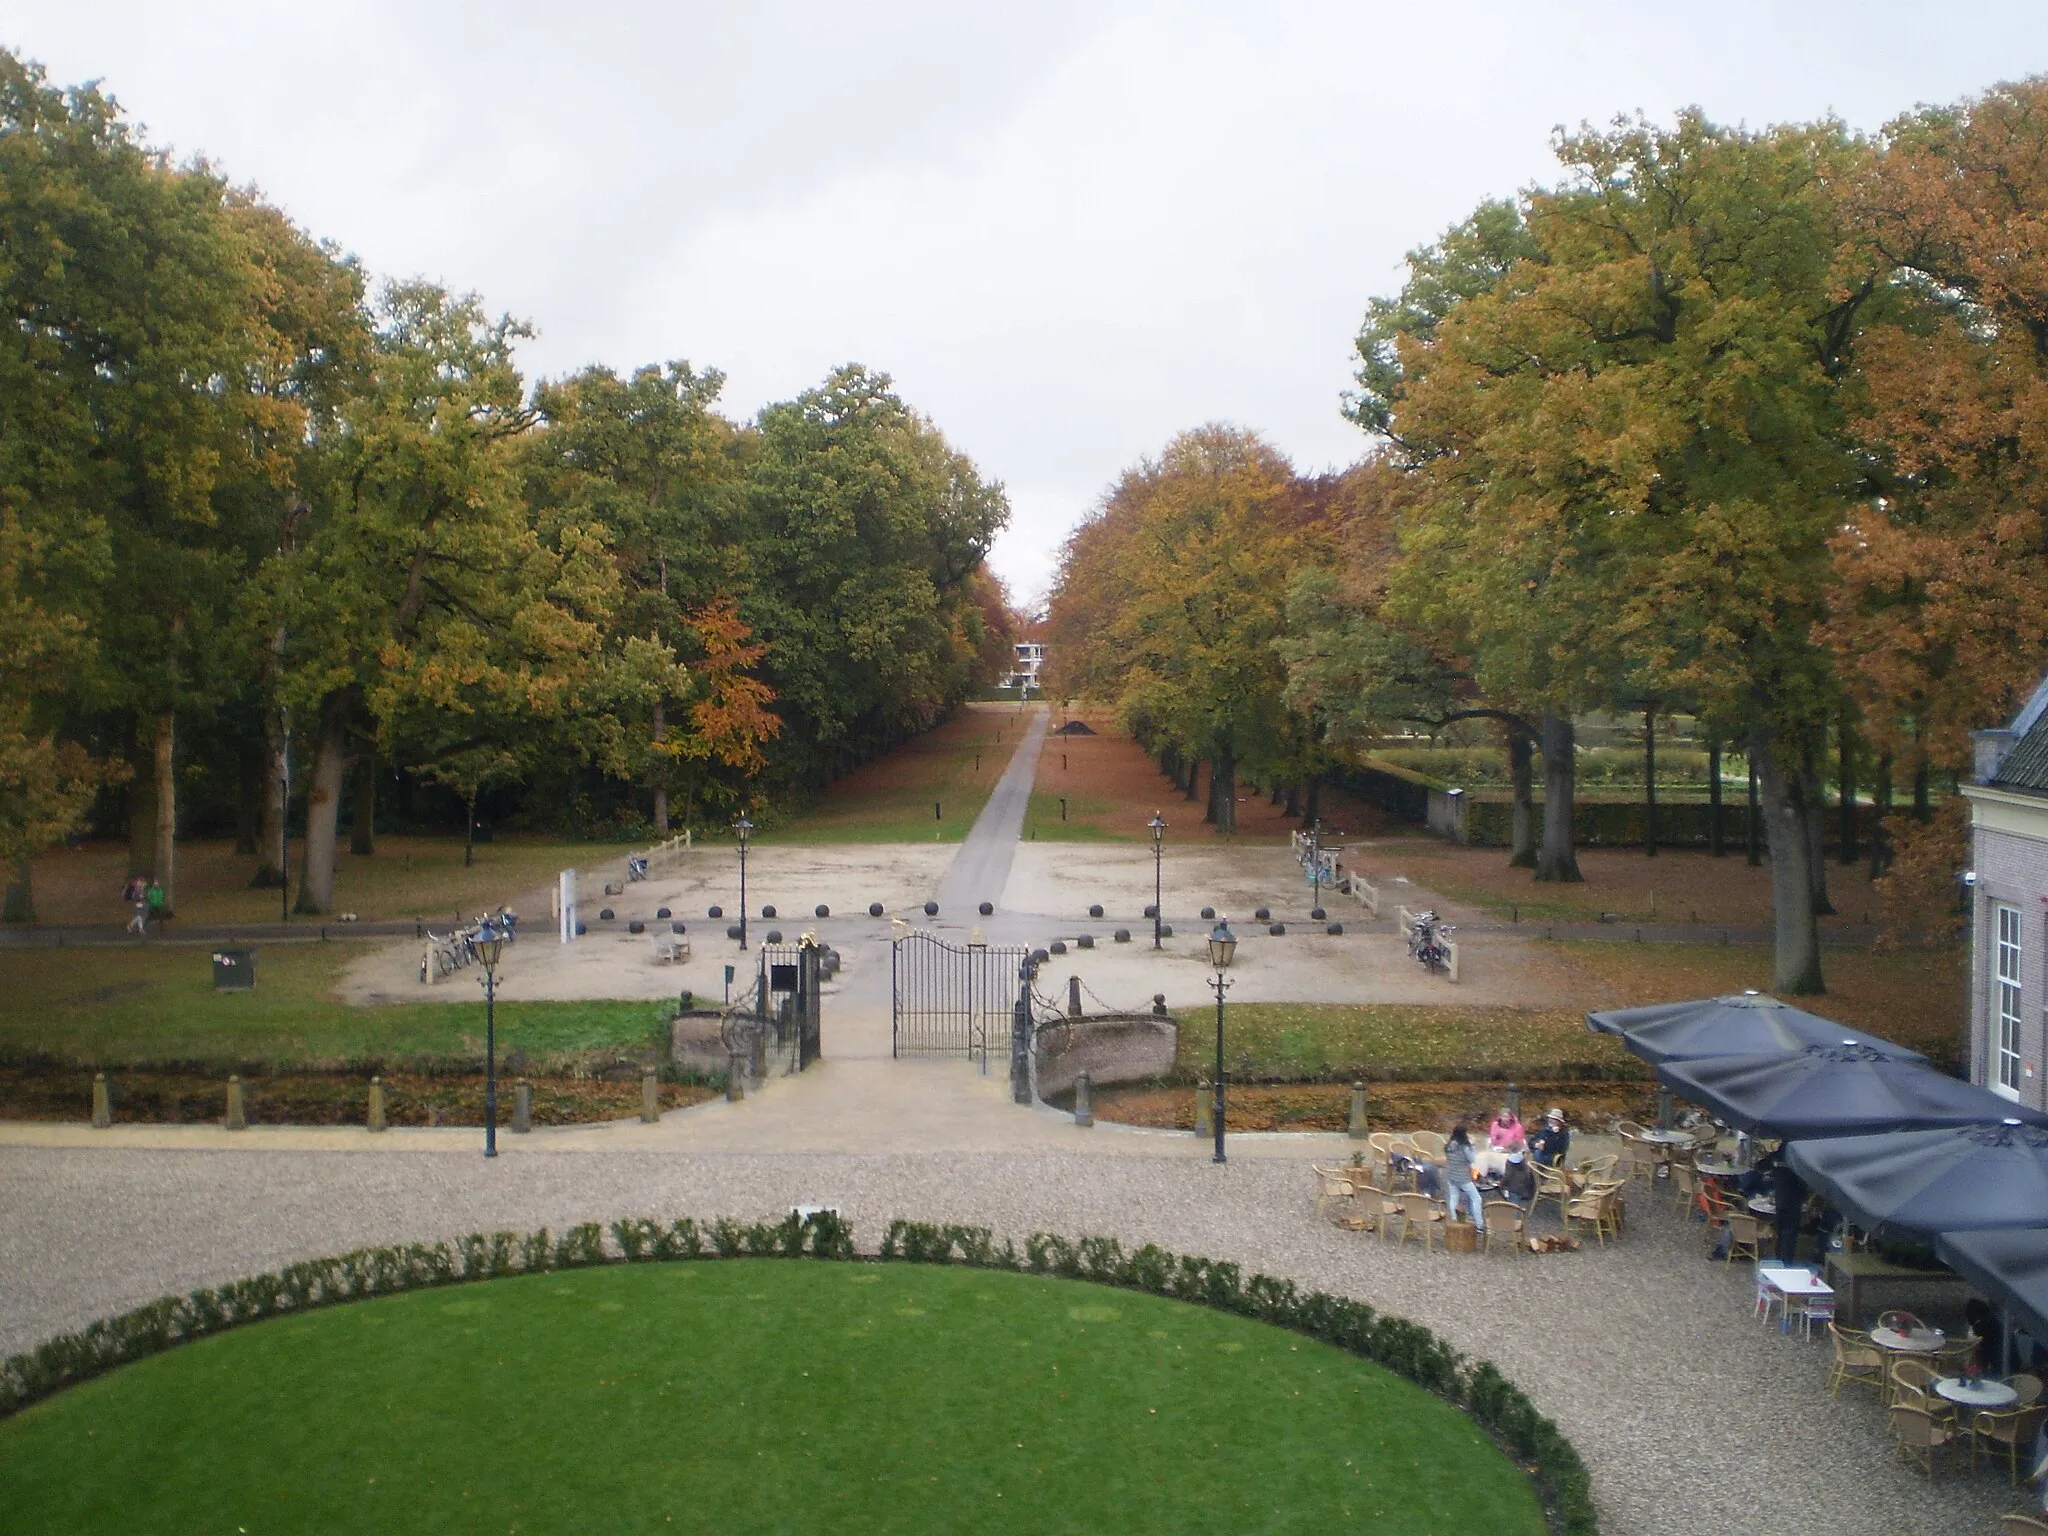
x: 1222, y: 950
x: 490, y: 945
x: 745, y: 828
x: 1315, y: 864
x: 1158, y: 847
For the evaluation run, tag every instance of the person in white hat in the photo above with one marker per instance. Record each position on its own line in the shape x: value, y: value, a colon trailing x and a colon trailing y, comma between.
x: 1551, y: 1141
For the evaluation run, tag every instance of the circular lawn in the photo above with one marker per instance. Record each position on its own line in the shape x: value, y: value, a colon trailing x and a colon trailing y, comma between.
x: 757, y: 1395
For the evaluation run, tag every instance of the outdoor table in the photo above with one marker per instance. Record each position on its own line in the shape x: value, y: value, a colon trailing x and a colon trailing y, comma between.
x: 1848, y: 1272
x: 1793, y: 1282
x: 1921, y: 1341
x: 1717, y: 1167
x: 1764, y: 1205
x: 1981, y: 1393
x: 1667, y: 1138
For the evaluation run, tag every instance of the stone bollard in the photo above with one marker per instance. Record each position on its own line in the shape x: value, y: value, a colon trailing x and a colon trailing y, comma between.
x: 650, y: 1096
x: 735, y: 1076
x: 1073, y: 997
x: 379, y: 1116
x: 238, y: 1117
x: 522, y: 1106
x: 1159, y: 1005
x: 1205, y: 1124
x: 102, y: 1103
x: 1084, y: 1110
x: 1358, y: 1127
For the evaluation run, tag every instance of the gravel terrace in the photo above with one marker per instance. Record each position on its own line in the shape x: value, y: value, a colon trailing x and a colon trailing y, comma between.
x: 1693, y: 1417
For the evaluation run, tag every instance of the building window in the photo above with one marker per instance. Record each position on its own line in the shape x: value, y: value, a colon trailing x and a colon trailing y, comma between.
x: 2005, y: 999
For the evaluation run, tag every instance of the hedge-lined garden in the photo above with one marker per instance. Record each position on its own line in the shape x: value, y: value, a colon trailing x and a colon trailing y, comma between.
x: 1406, y: 1349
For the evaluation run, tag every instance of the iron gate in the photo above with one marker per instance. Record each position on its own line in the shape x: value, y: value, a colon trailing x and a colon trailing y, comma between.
x: 950, y: 999
x: 783, y: 1015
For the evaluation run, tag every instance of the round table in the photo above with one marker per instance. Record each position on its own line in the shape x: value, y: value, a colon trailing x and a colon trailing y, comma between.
x: 1763, y: 1205
x: 1716, y: 1167
x: 1667, y: 1138
x: 1921, y: 1341
x: 1981, y: 1393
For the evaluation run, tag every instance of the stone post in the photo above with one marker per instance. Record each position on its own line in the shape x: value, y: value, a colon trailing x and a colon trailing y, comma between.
x: 522, y: 1106
x: 102, y: 1103
x: 650, y: 1096
x: 1205, y: 1126
x: 238, y: 1117
x: 1357, y: 1127
x: 379, y: 1117
x: 1084, y: 1109
x: 1073, y: 997
x: 735, y: 1076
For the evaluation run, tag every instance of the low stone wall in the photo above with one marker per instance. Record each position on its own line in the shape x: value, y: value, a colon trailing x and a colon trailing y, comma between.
x: 1110, y: 1047
x: 693, y: 1039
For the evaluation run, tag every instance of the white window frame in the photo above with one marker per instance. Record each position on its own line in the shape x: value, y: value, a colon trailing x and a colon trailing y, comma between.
x: 2007, y: 1000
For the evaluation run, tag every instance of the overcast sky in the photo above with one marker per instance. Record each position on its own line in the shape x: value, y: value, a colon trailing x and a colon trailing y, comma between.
x: 1068, y: 230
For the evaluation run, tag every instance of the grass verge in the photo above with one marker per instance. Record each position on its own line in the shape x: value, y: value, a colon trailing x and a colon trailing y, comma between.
x: 757, y: 1395
x: 892, y: 799
x: 155, y: 1005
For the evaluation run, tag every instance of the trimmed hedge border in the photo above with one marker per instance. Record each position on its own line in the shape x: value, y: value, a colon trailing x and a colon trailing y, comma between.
x: 1407, y: 1349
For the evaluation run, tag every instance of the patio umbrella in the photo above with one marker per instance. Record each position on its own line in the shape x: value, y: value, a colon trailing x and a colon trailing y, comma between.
x: 1744, y: 1024
x: 1841, y: 1090
x: 2010, y: 1266
x: 1965, y: 1178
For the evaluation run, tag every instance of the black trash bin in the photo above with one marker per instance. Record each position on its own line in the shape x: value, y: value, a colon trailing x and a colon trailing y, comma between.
x: 234, y: 970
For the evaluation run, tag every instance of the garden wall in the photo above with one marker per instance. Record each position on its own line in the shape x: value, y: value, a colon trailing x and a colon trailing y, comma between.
x: 1110, y: 1047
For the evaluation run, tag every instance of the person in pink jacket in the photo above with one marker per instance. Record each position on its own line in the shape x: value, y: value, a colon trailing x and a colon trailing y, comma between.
x: 1504, y: 1132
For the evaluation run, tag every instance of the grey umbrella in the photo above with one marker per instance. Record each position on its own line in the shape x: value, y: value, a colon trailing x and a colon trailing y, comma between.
x: 2010, y: 1266
x: 1743, y: 1024
x: 1961, y: 1179
x: 1842, y: 1090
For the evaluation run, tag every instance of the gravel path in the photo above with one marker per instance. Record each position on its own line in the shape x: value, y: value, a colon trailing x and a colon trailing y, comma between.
x: 1693, y: 1417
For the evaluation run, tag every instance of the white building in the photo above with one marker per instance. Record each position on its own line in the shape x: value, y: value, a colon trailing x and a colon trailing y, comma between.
x: 2009, y: 906
x: 1024, y: 670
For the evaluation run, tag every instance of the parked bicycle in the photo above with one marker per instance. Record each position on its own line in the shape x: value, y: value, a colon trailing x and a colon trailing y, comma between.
x: 1428, y: 941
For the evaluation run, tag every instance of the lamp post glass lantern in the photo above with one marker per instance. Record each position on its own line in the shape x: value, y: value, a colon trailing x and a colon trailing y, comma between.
x: 1222, y: 950
x: 490, y: 948
x: 1158, y: 825
x: 745, y: 829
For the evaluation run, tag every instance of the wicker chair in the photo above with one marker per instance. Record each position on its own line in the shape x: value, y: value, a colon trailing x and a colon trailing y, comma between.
x: 1334, y: 1183
x: 1685, y: 1185
x: 1599, y: 1168
x: 1628, y: 1129
x: 1915, y: 1376
x: 1551, y: 1186
x: 2020, y: 1525
x: 1640, y: 1157
x: 1400, y: 1146
x: 2009, y: 1430
x: 1377, y: 1147
x: 1856, y: 1360
x: 1957, y: 1355
x: 1745, y: 1237
x: 1919, y: 1436
x: 1429, y: 1144
x: 1508, y: 1222
x: 1420, y: 1215
x: 1596, y: 1206
x: 2028, y: 1387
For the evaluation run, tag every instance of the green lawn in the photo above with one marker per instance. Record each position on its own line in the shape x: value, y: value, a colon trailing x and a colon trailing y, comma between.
x: 758, y: 1395
x: 930, y: 789
x: 1298, y: 1041
x: 1082, y: 824
x: 156, y: 1005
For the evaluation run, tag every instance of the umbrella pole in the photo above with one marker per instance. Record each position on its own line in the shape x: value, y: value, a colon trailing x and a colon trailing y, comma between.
x: 1663, y: 1109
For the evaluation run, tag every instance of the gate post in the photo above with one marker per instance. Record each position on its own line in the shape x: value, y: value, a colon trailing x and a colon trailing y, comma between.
x: 1020, y: 1038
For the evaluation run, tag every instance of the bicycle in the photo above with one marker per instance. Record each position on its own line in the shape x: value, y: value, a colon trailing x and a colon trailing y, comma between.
x: 1427, y: 942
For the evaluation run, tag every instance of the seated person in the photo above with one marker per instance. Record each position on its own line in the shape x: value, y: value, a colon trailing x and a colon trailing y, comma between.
x: 1504, y: 1132
x: 1551, y: 1141
x: 1518, y: 1183
x: 1762, y: 1179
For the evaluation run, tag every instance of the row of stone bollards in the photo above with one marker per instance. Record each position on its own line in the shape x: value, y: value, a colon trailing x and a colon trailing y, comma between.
x: 378, y: 1116
x: 1205, y: 1125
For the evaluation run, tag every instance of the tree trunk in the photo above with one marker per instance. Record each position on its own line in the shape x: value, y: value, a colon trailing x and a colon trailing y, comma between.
x: 323, y: 804
x: 1558, y: 861
x: 141, y: 824
x: 1813, y: 796
x: 362, y: 828
x: 1881, y: 804
x: 660, y: 773
x: 1194, y: 773
x: 1223, y: 791
x: 1312, y: 801
x: 1293, y: 799
x: 1753, y: 831
x: 1797, y: 970
x: 1846, y: 779
x: 1280, y: 795
x: 1522, y: 774
x: 270, y: 812
x: 1922, y: 809
x: 1717, y: 844
x: 469, y: 846
x: 165, y: 756
x: 1650, y: 782
x: 20, y: 903
x: 248, y: 801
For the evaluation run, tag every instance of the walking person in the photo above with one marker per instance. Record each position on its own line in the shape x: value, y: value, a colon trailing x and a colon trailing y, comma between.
x: 1458, y: 1177
x: 153, y: 898
x: 136, y: 894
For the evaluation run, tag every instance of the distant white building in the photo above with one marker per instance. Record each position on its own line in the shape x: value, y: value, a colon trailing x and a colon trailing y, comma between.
x: 1024, y: 670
